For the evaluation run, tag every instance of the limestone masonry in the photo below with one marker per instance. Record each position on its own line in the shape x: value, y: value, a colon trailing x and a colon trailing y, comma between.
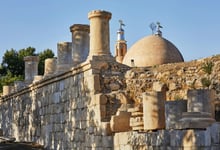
x: 89, y: 100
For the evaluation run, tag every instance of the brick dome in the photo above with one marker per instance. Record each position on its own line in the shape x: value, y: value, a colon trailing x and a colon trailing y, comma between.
x: 152, y: 50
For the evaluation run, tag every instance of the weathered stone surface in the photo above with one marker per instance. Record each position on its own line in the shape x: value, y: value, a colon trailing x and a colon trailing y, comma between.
x: 64, y: 58
x: 31, y: 68
x: 154, y: 110
x: 173, y: 112
x: 50, y: 66
x: 215, y: 133
x: 99, y: 39
x: 201, y: 101
x: 190, y: 138
x: 80, y: 42
x: 158, y: 86
x: 73, y: 109
x: 136, y: 120
x: 120, y: 122
x: 7, y: 89
x: 195, y: 120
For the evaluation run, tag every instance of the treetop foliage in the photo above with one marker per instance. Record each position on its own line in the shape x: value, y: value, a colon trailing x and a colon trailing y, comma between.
x: 12, y: 66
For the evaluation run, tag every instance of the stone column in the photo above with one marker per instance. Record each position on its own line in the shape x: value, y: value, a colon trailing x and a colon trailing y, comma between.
x: 50, y: 66
x: 154, y: 110
x: 31, y: 68
x: 64, y: 56
x: 80, y: 42
x: 7, y: 90
x: 99, y: 33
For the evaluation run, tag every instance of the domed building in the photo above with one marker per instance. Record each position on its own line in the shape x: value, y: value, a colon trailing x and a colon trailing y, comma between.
x: 152, y: 50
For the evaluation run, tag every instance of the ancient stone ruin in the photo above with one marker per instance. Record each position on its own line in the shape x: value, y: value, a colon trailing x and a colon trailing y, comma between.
x: 88, y: 99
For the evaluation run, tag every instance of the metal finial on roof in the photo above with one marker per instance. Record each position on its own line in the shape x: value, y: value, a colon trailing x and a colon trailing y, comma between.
x: 158, y: 32
x: 121, y: 23
x: 120, y: 32
x: 153, y: 27
x: 156, y: 28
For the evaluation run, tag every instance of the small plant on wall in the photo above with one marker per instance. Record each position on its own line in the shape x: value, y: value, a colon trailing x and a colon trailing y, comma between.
x: 205, y: 82
x: 207, y: 67
x: 178, y: 97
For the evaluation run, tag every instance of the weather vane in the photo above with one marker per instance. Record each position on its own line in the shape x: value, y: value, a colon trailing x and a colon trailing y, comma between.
x: 121, y: 24
x: 155, y: 28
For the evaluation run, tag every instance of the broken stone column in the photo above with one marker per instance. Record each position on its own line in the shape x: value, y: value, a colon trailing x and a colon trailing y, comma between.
x: 154, y: 110
x: 50, y: 66
x: 64, y: 56
x: 200, y: 110
x: 80, y: 42
x: 173, y: 112
x: 99, y: 33
x: 31, y: 68
x: 7, y: 89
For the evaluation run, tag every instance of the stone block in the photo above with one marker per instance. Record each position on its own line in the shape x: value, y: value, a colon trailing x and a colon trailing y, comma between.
x: 103, y: 111
x: 195, y: 120
x: 154, y: 110
x: 163, y: 138
x: 106, y: 129
x: 107, y: 141
x: 116, y: 139
x: 123, y: 138
x: 215, y: 133
x: 158, y: 86
x: 93, y: 83
x: 190, y: 138
x: 215, y: 147
x: 201, y: 100
x: 100, y: 99
x: 56, y: 97
x: 126, y: 147
x: 173, y: 112
x: 7, y: 90
x: 120, y: 122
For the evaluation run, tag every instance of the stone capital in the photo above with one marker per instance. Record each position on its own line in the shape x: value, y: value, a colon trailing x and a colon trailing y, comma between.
x: 99, y: 13
x: 31, y: 58
x: 79, y: 27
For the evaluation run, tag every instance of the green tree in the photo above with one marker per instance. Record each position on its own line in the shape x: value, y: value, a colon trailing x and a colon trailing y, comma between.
x: 48, y: 53
x: 10, y: 62
x: 13, y: 61
x: 8, y: 79
x: 12, y: 66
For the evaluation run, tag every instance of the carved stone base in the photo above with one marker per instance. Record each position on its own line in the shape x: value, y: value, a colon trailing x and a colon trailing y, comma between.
x: 195, y: 120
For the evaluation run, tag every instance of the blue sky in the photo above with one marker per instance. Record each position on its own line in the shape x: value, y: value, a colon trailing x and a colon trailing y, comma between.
x: 192, y: 25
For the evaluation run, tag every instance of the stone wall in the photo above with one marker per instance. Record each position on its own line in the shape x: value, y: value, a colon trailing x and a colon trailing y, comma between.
x: 175, y: 78
x: 99, y: 105
x: 64, y: 111
x: 169, y: 139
